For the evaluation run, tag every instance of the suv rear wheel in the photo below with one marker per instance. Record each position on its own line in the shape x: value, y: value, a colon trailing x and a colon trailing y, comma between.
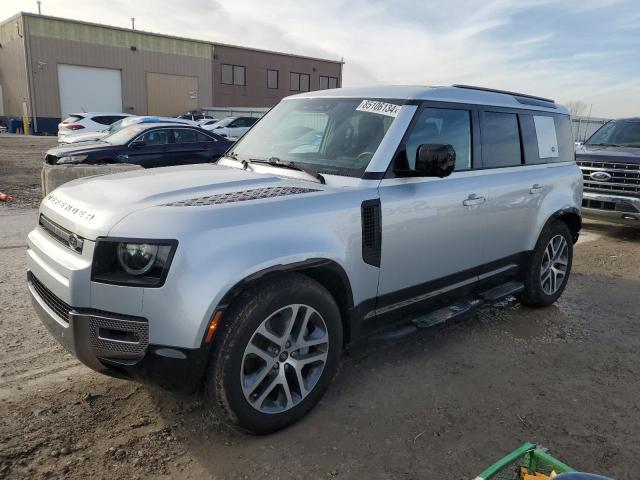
x: 276, y: 355
x: 549, y: 269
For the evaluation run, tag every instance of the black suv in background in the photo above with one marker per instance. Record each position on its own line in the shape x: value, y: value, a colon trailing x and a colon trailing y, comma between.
x: 610, y: 163
x: 147, y: 145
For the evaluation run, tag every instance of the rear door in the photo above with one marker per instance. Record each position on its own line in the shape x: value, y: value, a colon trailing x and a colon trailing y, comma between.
x: 187, y: 146
x: 151, y: 153
x: 515, y: 189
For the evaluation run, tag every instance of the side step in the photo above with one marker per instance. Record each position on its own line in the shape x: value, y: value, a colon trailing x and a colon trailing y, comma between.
x: 454, y: 310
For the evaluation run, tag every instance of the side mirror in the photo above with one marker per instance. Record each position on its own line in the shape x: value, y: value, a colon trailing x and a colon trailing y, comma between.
x: 137, y: 144
x: 435, y: 160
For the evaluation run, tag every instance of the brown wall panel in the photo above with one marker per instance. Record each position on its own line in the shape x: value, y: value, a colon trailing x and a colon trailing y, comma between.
x: 171, y: 95
x: 255, y: 93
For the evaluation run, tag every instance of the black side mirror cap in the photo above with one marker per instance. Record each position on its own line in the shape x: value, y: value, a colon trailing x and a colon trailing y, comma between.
x: 137, y: 144
x: 435, y: 160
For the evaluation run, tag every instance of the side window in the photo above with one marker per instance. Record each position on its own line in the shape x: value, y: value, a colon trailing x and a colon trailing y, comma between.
x: 102, y: 120
x: 184, y: 135
x: 500, y: 140
x: 442, y: 126
x: 546, y: 139
x: 155, y: 137
x: 251, y: 121
x: 201, y: 137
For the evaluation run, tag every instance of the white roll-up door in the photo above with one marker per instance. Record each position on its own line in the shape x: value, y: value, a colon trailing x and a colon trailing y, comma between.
x: 89, y: 89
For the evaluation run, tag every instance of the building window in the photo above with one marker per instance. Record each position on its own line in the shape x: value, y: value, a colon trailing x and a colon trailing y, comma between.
x: 300, y: 82
x: 272, y: 79
x: 328, y: 82
x: 233, y: 74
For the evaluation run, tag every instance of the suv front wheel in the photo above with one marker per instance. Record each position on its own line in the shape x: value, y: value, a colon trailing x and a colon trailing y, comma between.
x: 276, y: 354
x: 548, y: 272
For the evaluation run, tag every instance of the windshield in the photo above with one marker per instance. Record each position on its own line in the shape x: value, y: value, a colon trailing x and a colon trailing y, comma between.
x: 617, y: 133
x: 332, y: 135
x: 124, y: 135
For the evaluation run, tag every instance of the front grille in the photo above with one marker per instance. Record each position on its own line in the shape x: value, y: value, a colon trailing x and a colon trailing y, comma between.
x: 609, y: 206
x: 61, y: 234
x: 625, y: 177
x: 60, y: 308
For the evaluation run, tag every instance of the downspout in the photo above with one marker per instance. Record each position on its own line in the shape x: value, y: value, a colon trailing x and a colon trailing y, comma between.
x: 30, y: 93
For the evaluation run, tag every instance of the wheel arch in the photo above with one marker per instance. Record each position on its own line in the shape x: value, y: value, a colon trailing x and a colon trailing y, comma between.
x: 572, y: 217
x: 326, y: 272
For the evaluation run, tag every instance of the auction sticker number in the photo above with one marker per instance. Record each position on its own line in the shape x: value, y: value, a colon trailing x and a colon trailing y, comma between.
x: 381, y: 108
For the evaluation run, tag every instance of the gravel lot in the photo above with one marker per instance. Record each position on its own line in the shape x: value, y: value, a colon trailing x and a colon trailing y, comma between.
x: 442, y: 403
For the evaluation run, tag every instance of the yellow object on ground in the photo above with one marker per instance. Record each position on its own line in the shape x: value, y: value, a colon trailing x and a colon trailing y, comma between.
x: 526, y: 475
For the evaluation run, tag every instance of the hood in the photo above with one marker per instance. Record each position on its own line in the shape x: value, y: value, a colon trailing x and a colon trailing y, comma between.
x: 85, y: 137
x: 79, y: 148
x: 91, y: 206
x: 594, y: 153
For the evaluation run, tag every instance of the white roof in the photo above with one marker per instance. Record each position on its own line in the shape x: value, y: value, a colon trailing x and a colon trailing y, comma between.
x: 452, y: 94
x: 93, y: 114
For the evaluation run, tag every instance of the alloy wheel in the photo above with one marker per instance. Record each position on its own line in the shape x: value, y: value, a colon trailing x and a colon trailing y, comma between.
x: 284, y: 359
x: 555, y: 262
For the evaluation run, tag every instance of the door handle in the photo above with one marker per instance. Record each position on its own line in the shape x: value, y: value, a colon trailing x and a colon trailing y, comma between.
x: 473, y: 199
x: 537, y: 188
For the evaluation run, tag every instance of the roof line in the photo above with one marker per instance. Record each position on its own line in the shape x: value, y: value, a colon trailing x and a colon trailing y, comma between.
x: 162, y: 35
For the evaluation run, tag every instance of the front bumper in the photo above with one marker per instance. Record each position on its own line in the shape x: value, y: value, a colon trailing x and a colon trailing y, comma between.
x: 613, y: 208
x: 117, y: 345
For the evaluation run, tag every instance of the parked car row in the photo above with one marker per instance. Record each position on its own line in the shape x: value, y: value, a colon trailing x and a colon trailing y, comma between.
x: 148, y: 144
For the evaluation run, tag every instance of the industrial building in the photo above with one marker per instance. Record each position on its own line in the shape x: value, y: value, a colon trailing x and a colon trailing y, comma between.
x: 50, y: 67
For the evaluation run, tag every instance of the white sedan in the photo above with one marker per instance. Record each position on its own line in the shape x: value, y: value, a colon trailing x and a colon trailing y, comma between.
x: 232, y: 127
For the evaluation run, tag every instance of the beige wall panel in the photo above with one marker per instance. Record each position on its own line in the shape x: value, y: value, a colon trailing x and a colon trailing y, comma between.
x: 171, y: 95
x: 13, y: 69
x: 47, y: 53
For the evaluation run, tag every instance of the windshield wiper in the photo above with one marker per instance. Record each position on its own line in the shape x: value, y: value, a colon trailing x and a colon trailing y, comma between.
x: 276, y: 162
x: 603, y: 144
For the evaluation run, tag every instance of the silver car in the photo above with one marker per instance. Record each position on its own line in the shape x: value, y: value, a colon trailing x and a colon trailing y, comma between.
x: 341, y: 214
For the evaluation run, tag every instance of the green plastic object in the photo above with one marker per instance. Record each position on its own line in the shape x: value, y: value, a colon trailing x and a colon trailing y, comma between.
x: 532, y: 456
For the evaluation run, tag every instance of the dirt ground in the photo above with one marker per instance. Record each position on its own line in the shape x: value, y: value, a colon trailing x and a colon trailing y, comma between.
x: 442, y: 403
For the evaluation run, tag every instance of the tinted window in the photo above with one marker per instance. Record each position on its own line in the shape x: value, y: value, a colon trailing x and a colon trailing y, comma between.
x: 201, y: 137
x: 272, y: 79
x: 227, y: 74
x: 500, y: 140
x: 300, y: 82
x: 185, y: 135
x: 238, y: 75
x: 155, y: 137
x: 442, y: 126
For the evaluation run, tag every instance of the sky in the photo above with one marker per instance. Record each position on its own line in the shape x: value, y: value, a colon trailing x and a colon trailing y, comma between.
x: 586, y: 50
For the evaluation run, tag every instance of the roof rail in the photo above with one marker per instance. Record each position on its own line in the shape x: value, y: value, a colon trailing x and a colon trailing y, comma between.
x: 515, y: 94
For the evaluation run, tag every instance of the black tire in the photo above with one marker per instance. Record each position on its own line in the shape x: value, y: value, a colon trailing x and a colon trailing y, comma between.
x: 222, y: 385
x: 534, y: 294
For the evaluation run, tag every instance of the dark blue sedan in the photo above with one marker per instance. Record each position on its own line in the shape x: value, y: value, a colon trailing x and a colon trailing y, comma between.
x: 147, y: 145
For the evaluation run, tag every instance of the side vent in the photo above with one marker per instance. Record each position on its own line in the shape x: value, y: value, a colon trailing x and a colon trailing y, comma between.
x: 371, y: 232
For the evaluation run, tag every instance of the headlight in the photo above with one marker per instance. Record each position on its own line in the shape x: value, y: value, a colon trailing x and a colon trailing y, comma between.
x: 134, y: 262
x: 72, y: 159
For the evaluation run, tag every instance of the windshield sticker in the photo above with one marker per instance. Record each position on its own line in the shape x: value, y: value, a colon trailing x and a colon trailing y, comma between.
x: 381, y: 108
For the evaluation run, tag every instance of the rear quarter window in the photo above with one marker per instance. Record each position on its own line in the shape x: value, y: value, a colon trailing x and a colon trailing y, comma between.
x: 546, y: 138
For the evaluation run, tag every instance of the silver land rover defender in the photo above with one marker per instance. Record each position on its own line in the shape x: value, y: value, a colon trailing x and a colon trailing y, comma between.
x: 341, y: 213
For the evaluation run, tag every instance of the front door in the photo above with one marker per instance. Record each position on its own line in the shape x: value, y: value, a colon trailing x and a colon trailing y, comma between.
x: 433, y: 229
x: 151, y: 152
